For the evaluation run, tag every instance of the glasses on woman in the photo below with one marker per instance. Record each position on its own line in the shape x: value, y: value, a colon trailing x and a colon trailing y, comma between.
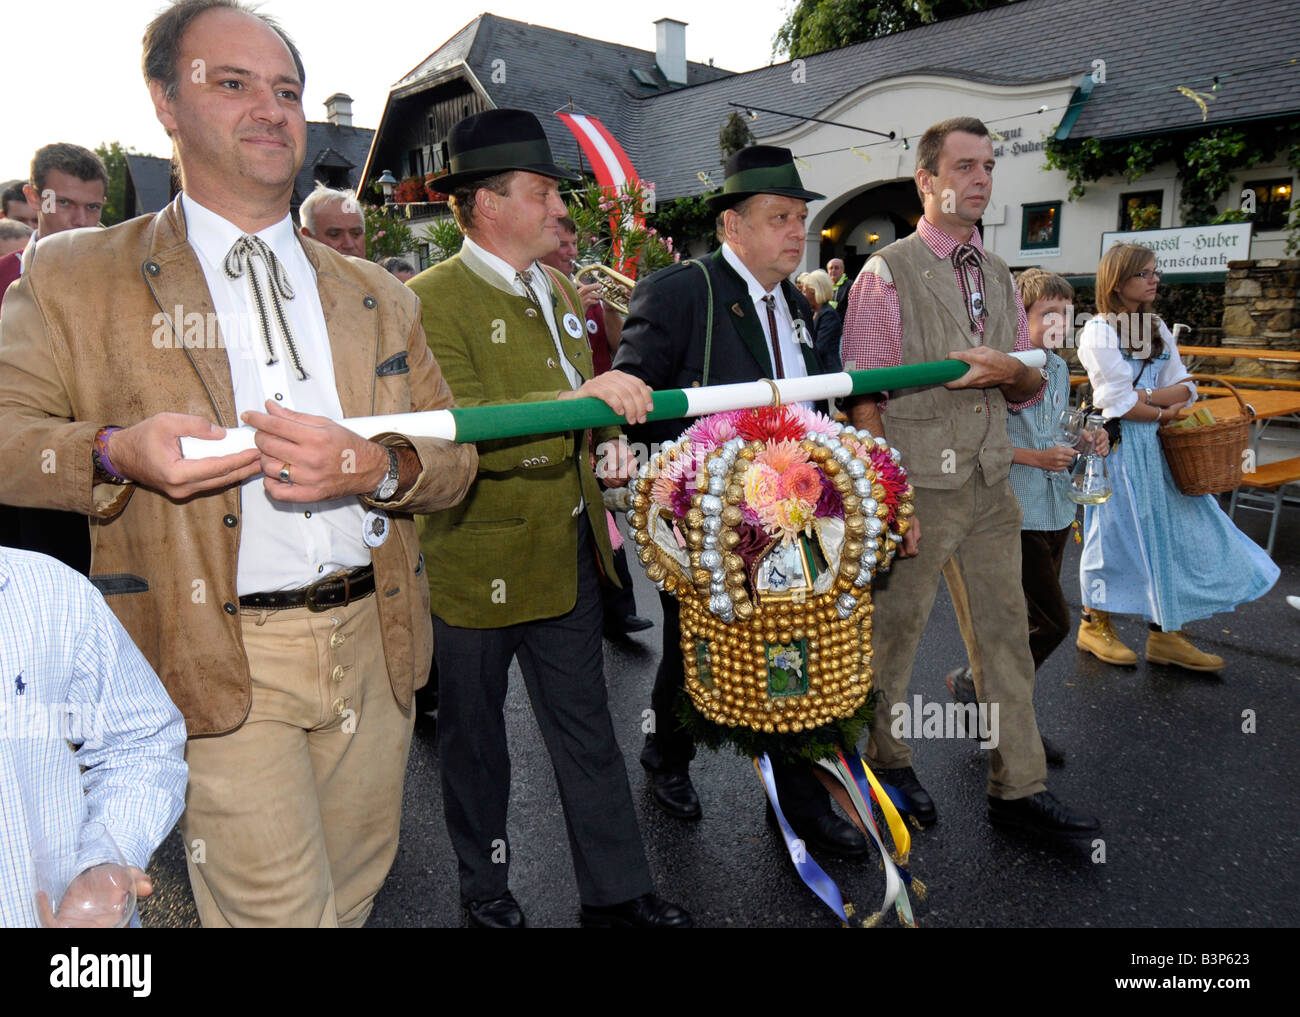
x: 1148, y: 273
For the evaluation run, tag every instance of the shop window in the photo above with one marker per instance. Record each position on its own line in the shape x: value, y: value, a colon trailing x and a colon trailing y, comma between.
x: 1140, y: 210
x: 1272, y: 203
x: 1040, y: 226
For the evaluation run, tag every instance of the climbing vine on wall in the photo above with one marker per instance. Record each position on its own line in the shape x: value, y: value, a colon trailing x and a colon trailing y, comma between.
x: 1208, y: 161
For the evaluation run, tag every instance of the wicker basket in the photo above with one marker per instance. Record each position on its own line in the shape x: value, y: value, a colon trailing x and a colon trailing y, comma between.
x: 1209, y: 459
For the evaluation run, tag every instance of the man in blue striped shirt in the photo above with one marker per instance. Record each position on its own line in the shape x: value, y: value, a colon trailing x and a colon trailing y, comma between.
x: 87, y: 733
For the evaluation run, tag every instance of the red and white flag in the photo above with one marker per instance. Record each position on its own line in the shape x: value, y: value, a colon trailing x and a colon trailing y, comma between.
x: 614, y: 170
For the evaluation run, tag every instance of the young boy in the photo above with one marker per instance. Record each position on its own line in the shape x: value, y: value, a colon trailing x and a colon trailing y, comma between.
x: 1040, y: 477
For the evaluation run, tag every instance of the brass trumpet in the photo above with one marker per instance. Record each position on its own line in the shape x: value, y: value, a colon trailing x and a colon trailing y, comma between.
x: 615, y: 287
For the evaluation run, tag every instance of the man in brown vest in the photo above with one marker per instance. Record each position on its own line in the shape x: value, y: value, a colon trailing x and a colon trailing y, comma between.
x: 933, y: 295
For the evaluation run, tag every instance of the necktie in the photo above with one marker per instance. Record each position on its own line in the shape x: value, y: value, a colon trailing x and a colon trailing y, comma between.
x: 966, y: 262
x: 770, y: 301
x: 268, y: 303
x: 524, y: 281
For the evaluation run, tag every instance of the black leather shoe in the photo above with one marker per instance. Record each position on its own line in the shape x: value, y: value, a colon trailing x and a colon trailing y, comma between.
x: 826, y: 832
x: 644, y: 912
x: 674, y: 793
x: 498, y: 913
x: 1042, y: 813
x: 916, y: 799
x: 1054, y: 753
x: 621, y: 628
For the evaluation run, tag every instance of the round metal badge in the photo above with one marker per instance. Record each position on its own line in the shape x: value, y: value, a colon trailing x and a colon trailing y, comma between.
x: 374, y: 527
x: 572, y: 325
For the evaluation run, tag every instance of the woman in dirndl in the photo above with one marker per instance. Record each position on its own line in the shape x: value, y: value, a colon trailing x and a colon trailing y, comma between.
x: 1151, y: 550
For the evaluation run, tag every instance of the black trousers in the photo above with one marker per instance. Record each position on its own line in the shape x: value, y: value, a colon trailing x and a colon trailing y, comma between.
x: 670, y: 746
x: 61, y: 535
x: 1041, y: 552
x: 619, y: 603
x: 563, y: 666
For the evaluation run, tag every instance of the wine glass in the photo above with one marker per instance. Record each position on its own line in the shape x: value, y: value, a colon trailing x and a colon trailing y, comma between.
x: 1071, y: 426
x: 89, y: 885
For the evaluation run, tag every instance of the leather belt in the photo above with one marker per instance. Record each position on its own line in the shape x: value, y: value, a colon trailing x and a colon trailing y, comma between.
x: 337, y: 590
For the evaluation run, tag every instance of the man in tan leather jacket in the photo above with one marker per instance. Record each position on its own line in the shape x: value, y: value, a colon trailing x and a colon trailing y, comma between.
x: 278, y: 592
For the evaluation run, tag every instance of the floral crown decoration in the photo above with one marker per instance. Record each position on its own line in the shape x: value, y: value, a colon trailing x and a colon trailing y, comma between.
x: 768, y: 526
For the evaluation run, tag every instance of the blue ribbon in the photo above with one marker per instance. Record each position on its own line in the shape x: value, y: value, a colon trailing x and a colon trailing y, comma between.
x: 810, y: 872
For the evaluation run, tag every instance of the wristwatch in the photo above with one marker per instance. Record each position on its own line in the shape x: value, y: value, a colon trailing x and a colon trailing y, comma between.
x: 1148, y: 392
x: 388, y: 486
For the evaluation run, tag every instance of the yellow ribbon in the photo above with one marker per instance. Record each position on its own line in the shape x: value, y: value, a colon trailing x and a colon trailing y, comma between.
x: 897, y: 828
x: 1199, y: 98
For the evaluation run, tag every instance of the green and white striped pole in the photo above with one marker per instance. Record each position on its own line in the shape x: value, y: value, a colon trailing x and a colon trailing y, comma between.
x: 513, y: 420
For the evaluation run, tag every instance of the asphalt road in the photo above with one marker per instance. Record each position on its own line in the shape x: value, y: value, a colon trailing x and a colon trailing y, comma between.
x: 1200, y: 817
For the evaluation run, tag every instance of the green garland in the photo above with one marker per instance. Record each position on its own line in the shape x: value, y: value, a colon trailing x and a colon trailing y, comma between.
x: 805, y: 747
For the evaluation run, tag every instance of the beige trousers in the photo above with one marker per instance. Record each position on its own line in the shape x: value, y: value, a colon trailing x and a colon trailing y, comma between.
x: 292, y: 819
x: 975, y: 532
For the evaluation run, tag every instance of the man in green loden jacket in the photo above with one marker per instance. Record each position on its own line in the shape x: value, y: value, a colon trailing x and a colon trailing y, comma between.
x: 515, y: 570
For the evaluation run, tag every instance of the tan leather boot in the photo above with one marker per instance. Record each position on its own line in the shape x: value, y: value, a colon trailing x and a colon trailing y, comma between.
x: 1098, y: 638
x: 1175, y: 648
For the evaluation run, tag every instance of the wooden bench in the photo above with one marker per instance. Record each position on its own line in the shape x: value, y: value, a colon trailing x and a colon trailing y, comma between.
x: 1253, y: 381
x: 1264, y: 490
x: 1235, y: 352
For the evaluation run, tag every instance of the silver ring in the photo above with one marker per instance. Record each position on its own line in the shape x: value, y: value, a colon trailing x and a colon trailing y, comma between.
x: 284, y: 474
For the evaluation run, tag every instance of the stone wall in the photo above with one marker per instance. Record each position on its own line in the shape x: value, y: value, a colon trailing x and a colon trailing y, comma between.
x: 1261, y: 311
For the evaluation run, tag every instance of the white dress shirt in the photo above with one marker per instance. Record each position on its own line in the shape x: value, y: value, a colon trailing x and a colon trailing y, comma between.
x: 282, y: 546
x: 1101, y: 352
x: 791, y: 355
x: 541, y: 284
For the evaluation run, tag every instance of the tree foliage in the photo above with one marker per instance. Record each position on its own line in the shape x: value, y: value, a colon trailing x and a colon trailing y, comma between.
x: 734, y: 136
x: 689, y: 221
x: 114, y: 156
x: 817, y: 25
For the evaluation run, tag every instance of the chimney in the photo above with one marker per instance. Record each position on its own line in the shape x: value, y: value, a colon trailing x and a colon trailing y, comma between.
x: 670, y: 50
x: 338, y: 109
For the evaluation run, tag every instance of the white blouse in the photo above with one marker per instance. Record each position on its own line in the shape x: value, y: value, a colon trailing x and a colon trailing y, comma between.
x: 1102, y: 352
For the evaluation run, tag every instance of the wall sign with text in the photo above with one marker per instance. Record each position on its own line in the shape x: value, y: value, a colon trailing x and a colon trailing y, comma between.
x: 1190, y: 250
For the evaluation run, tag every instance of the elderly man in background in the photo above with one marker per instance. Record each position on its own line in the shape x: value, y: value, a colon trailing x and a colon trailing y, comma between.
x: 841, y: 283
x: 334, y: 219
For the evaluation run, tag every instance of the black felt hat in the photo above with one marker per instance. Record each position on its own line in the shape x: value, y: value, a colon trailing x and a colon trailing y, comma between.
x: 497, y: 141
x: 761, y: 169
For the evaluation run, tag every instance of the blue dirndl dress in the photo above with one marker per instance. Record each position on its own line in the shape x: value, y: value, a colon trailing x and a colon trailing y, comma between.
x: 1153, y: 551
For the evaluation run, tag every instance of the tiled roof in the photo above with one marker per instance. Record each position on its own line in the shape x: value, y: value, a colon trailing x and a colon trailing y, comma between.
x: 329, y: 145
x: 1149, y: 49
x: 542, y: 67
